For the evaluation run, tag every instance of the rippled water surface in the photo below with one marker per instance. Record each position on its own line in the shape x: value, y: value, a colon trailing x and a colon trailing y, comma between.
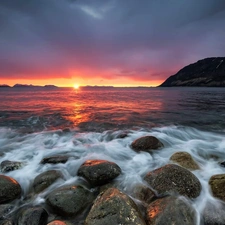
x: 111, y: 108
x: 33, y: 125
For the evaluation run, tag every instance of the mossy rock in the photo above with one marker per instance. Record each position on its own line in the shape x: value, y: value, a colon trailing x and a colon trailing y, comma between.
x: 185, y: 160
x: 173, y: 179
x: 217, y: 184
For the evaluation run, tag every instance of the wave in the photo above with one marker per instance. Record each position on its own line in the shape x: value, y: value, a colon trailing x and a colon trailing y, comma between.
x: 206, y: 148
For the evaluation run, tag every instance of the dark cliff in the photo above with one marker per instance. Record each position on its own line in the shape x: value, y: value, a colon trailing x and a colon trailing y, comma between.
x: 209, y: 72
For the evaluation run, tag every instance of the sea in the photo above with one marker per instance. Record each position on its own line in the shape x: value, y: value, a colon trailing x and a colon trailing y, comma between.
x: 101, y: 123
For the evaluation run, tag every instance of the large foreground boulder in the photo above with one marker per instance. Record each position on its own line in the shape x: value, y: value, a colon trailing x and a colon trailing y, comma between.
x: 45, y: 179
x: 70, y: 200
x: 33, y: 216
x: 10, y: 189
x: 174, y: 179
x: 99, y: 172
x: 114, y: 207
x: 185, y: 160
x: 171, y: 210
x: 146, y: 143
x: 217, y: 184
x: 7, y: 166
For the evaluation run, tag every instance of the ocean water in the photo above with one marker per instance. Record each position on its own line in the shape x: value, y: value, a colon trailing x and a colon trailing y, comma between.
x: 88, y: 123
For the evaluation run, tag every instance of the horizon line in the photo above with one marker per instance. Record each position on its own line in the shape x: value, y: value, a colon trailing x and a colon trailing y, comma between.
x: 82, y: 86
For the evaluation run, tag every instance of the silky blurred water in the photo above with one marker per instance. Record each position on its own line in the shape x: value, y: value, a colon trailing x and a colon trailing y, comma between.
x: 88, y: 124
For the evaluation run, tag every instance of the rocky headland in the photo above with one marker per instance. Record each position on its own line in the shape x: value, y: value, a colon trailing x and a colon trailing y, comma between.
x: 209, y: 72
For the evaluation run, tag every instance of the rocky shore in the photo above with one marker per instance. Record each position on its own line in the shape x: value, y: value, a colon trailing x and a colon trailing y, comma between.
x: 163, y: 197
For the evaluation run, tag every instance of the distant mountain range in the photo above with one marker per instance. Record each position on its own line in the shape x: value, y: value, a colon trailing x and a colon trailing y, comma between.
x: 209, y: 72
x: 27, y: 86
x: 4, y: 86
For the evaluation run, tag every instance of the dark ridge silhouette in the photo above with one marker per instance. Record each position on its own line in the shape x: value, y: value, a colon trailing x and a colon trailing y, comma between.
x: 209, y: 72
x: 4, y: 86
x: 33, y: 86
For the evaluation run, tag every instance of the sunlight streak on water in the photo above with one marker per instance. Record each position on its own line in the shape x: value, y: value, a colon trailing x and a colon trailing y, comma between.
x: 115, y: 108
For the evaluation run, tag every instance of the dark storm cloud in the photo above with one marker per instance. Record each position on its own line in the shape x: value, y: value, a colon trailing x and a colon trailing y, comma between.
x: 141, y: 39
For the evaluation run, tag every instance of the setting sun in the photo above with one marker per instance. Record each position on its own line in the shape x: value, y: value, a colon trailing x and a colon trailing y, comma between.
x: 76, y: 86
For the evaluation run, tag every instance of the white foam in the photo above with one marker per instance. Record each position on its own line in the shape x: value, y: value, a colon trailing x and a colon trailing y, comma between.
x: 32, y: 148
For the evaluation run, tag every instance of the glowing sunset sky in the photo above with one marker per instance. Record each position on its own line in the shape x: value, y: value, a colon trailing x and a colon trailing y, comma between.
x: 106, y: 42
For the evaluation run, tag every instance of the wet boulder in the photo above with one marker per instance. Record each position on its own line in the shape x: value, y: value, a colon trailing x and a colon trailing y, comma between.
x: 144, y: 193
x: 70, y: 200
x: 147, y: 144
x: 170, y: 210
x: 32, y: 216
x: 10, y: 189
x: 185, y: 160
x: 217, y: 184
x: 174, y: 179
x: 122, y: 135
x: 99, y: 172
x: 114, y: 207
x: 45, y: 179
x: 7, y: 166
x: 55, y: 159
x: 213, y: 214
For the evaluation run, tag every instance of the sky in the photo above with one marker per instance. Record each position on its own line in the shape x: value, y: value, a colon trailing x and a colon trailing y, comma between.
x: 106, y: 42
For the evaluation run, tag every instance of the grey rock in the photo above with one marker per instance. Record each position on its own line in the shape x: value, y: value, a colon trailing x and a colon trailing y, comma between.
x: 114, y: 207
x: 55, y: 159
x: 99, y: 172
x: 44, y: 180
x: 7, y: 165
x: 171, y: 210
x: 213, y: 214
x: 147, y: 143
x: 174, y: 179
x: 33, y: 216
x: 10, y: 189
x: 70, y: 200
